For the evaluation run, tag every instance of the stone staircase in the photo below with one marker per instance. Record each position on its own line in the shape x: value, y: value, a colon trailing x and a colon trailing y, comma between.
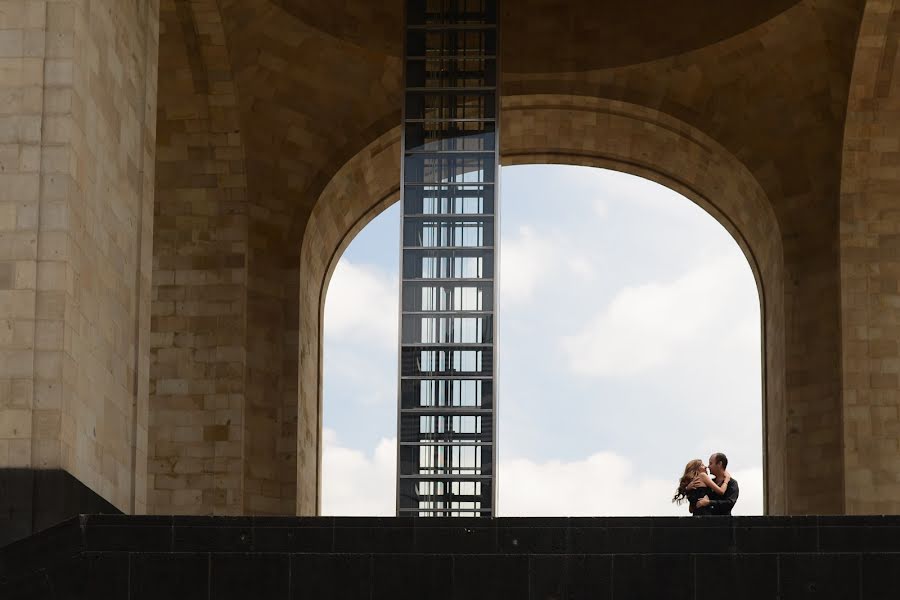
x: 249, y: 558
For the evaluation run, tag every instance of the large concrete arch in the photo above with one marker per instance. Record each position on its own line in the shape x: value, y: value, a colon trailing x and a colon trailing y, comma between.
x: 571, y: 130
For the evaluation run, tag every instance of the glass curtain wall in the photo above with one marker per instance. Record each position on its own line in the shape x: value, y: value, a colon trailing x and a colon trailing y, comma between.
x: 447, y: 419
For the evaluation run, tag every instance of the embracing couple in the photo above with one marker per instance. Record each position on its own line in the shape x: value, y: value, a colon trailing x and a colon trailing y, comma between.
x: 707, y: 495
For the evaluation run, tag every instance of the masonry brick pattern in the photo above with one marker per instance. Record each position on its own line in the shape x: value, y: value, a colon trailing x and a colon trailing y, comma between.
x: 870, y: 268
x: 276, y: 143
x: 77, y: 147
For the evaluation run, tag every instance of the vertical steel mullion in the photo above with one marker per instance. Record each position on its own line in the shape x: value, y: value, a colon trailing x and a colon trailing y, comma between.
x: 495, y: 346
x: 400, y: 357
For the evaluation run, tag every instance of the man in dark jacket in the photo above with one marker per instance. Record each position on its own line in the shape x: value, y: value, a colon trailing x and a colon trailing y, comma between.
x: 715, y: 504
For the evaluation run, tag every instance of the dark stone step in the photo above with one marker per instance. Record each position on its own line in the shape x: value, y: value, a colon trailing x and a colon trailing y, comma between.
x: 277, y: 576
x: 110, y: 556
x: 603, y: 535
x: 32, y: 500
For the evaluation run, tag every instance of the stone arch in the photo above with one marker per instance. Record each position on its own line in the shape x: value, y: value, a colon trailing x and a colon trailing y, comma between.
x: 359, y: 191
x: 573, y: 130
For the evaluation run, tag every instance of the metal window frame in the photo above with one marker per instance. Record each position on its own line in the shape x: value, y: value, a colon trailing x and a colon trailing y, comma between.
x: 450, y: 101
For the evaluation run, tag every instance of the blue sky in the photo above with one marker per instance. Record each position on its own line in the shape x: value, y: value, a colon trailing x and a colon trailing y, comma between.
x: 629, y: 344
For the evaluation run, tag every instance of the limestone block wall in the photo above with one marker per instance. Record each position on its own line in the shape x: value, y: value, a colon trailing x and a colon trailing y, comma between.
x: 271, y: 408
x: 251, y: 217
x: 870, y: 268
x: 77, y: 141
x: 21, y: 110
x: 310, y: 101
x: 268, y: 115
x: 243, y: 68
x: 222, y: 414
x: 198, y: 352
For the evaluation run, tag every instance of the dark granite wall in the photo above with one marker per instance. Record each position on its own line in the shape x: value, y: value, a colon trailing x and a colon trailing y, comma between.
x: 32, y: 500
x: 165, y: 558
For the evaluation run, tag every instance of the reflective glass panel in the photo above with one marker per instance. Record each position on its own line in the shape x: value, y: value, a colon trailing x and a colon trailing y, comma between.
x: 447, y: 325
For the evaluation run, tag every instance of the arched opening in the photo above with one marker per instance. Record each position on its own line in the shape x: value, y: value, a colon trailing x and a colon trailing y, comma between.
x: 578, y: 131
x: 690, y: 118
x: 629, y: 326
x: 630, y: 343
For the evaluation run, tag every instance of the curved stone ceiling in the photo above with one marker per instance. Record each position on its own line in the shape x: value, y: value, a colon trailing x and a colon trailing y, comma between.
x: 543, y: 36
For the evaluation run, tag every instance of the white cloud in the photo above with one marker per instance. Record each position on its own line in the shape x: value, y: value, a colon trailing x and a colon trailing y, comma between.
x: 528, y: 261
x: 355, y: 483
x: 750, y: 500
x: 582, y: 267
x: 524, y: 261
x: 609, y: 187
x: 676, y: 345
x: 363, y: 373
x: 362, y: 305
x: 603, y: 484
x: 645, y: 327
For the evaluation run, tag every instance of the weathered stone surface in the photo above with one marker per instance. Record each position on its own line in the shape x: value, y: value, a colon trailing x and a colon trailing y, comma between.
x: 77, y: 147
x: 870, y: 268
x: 277, y: 142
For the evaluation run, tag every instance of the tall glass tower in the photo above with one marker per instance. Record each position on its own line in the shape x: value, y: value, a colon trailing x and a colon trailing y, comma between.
x: 448, y: 392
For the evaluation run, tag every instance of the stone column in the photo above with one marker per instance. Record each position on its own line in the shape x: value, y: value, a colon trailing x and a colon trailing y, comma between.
x: 77, y: 143
x: 870, y: 268
x: 198, y: 352
x: 222, y: 414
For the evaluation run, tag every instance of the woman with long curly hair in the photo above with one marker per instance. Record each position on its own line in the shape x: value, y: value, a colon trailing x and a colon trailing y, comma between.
x: 695, y: 484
